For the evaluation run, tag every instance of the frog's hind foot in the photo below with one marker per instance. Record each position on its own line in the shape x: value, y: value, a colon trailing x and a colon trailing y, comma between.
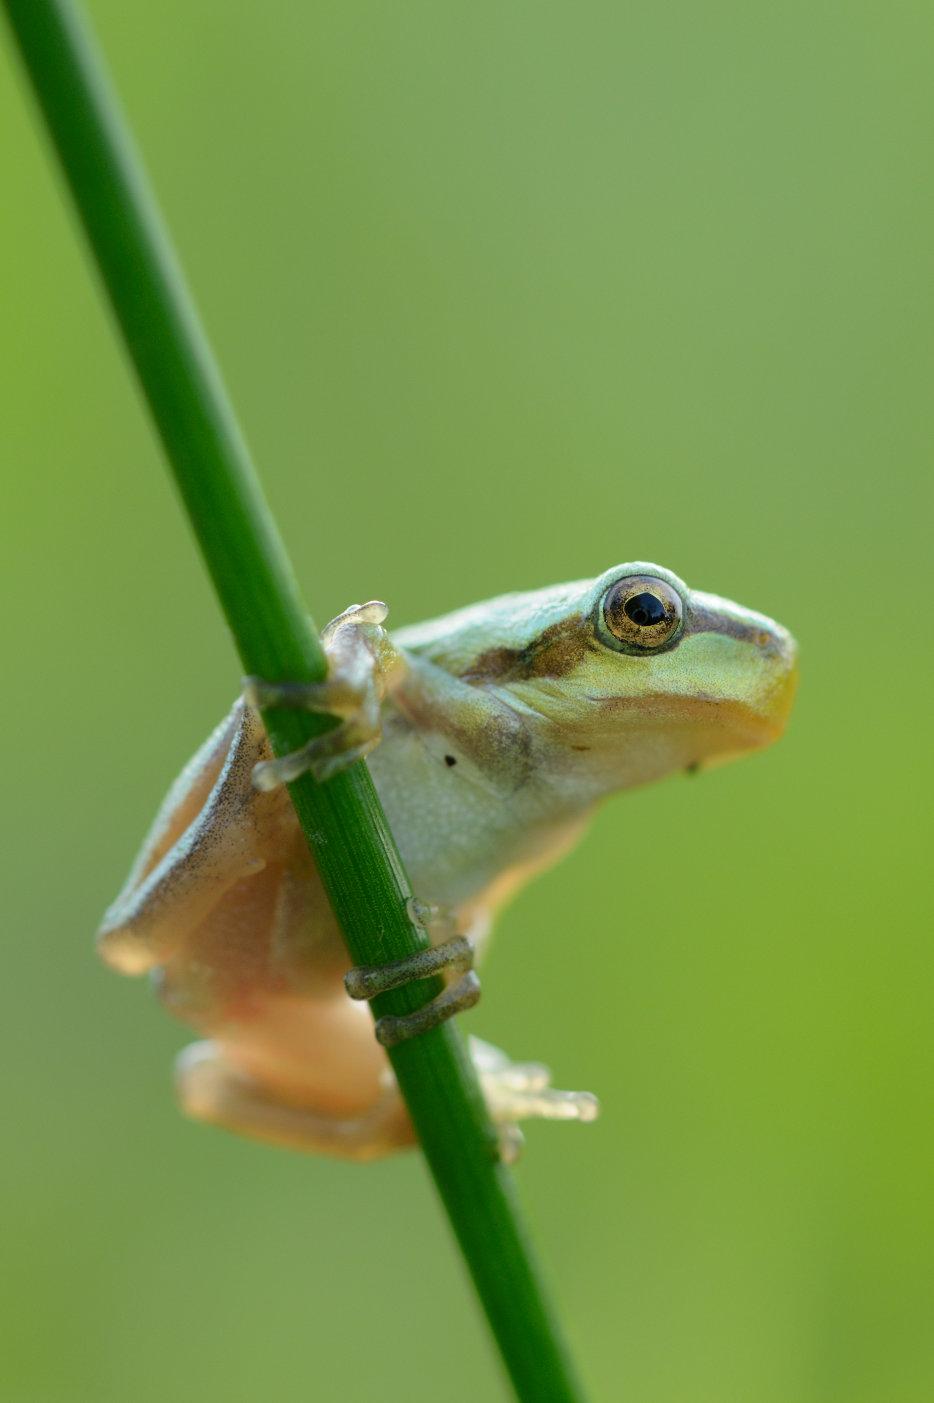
x: 362, y: 665
x: 455, y: 956
x: 517, y: 1091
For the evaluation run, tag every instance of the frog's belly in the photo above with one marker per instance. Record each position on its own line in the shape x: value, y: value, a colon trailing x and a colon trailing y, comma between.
x: 458, y: 834
x: 273, y: 936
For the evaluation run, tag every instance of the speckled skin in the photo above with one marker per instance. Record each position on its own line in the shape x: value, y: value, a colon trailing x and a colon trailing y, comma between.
x: 507, y: 722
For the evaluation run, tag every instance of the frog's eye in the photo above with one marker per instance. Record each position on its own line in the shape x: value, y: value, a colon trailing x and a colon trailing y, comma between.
x: 642, y: 612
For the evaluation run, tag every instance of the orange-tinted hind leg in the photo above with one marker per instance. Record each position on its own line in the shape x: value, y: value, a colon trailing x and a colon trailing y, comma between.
x: 212, y: 1090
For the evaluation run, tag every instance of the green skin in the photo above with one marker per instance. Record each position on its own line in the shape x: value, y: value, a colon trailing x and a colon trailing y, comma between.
x: 500, y: 727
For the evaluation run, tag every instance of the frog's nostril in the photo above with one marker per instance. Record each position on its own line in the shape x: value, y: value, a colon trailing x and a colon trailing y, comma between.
x: 778, y: 643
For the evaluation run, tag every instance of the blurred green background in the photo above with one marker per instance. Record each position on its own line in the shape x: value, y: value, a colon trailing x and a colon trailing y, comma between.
x: 505, y: 294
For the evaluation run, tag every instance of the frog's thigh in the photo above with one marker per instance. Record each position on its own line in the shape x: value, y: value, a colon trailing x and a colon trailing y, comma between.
x: 206, y: 837
x: 210, y: 1089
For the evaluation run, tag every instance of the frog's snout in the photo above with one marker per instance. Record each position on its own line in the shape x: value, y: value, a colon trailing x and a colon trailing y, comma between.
x: 779, y: 680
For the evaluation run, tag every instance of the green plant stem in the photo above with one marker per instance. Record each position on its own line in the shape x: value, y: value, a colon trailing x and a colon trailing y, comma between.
x: 342, y: 820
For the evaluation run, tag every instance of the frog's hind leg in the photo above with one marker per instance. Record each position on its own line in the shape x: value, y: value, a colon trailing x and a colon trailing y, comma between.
x: 212, y: 1090
x: 205, y: 838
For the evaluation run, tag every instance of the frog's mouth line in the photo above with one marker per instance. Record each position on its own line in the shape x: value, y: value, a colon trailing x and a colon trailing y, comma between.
x: 750, y: 726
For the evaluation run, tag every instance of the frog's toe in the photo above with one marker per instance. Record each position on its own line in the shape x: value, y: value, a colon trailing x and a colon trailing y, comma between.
x: 370, y: 616
x: 324, y: 757
x: 335, y: 695
x: 439, y: 921
x: 511, y: 1142
x: 508, y: 1103
x: 522, y: 1090
x: 452, y: 957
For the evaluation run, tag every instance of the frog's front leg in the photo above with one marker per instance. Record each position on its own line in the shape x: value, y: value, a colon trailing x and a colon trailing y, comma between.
x: 363, y: 665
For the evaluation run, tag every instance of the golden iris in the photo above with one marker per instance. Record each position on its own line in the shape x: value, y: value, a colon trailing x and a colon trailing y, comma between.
x: 642, y: 612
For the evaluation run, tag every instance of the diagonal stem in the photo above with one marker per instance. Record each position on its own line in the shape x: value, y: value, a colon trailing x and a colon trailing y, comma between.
x: 242, y: 550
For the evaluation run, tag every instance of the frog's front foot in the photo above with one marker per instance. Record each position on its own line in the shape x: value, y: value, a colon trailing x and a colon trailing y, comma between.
x: 361, y: 665
x: 517, y: 1091
x: 453, y: 956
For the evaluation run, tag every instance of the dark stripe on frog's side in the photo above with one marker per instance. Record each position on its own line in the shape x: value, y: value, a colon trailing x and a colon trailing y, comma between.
x: 562, y: 647
x: 554, y: 652
x: 701, y: 620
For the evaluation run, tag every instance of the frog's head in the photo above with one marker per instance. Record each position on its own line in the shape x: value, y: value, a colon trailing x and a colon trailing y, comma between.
x: 637, y: 676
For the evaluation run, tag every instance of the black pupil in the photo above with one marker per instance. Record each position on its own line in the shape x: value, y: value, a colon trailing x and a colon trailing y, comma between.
x: 645, y: 609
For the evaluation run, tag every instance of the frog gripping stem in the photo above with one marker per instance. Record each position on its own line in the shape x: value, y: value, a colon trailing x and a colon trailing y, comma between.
x: 366, y: 981
x: 255, y: 583
x: 362, y: 664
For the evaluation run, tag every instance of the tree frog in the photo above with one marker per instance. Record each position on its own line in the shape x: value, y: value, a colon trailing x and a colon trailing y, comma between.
x: 492, y: 733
